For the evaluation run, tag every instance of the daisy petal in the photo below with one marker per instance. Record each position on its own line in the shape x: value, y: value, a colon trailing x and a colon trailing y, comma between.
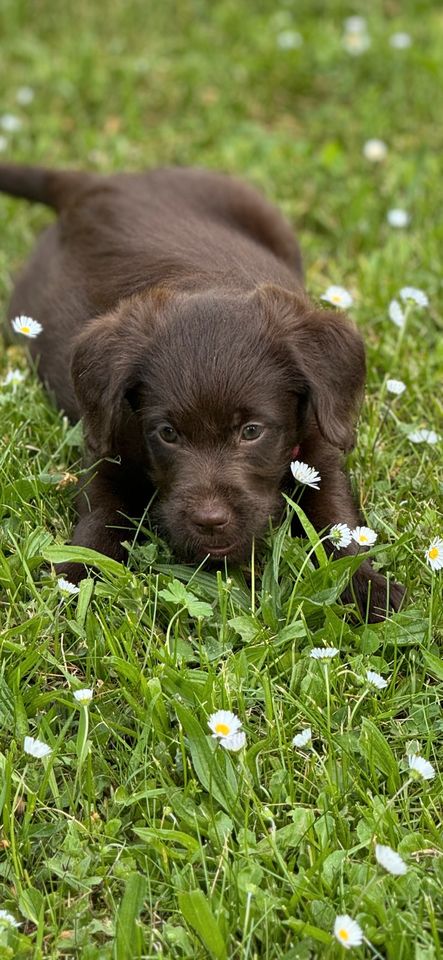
x: 289, y: 40
x: 224, y: 723
x: 421, y: 767
x: 235, y: 742
x: 376, y: 680
x: 13, y: 377
x: 364, y: 536
x: 7, y: 919
x: 398, y: 218
x: 36, y: 748
x: 323, y: 653
x: 424, y: 436
x: 338, y: 296
x: 400, y: 40
x: 412, y: 294
x: 434, y: 554
x: 396, y: 313
x: 302, y: 739
x: 375, y: 150
x: 305, y: 474
x: 395, y: 386
x: 356, y: 43
x: 390, y: 860
x: 348, y: 932
x: 83, y: 696
x: 340, y: 535
x: 67, y: 586
x: 355, y: 24
x: 26, y: 326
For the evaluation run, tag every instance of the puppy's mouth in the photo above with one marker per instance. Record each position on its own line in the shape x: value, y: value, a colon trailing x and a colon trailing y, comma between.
x: 218, y: 552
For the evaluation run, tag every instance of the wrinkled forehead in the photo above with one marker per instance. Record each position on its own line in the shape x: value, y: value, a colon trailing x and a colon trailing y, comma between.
x: 219, y: 367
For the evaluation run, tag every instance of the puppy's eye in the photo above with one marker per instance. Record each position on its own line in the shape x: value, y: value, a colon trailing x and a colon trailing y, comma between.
x: 167, y: 433
x: 252, y: 431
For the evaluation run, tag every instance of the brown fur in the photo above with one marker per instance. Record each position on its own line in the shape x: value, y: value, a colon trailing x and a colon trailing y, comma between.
x: 175, y: 297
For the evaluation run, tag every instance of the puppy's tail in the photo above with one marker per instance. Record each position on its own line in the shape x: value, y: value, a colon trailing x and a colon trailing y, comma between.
x: 55, y: 188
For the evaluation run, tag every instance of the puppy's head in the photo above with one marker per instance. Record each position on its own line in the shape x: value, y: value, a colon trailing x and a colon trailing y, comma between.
x: 224, y: 388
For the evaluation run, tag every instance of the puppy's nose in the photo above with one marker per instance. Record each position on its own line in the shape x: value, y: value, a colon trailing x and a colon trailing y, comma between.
x: 209, y: 515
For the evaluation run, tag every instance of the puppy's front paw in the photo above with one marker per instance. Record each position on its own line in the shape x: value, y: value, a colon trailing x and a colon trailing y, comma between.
x: 375, y: 596
x: 92, y: 532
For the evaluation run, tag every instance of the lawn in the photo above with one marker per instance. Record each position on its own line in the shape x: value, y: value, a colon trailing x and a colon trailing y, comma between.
x: 139, y: 835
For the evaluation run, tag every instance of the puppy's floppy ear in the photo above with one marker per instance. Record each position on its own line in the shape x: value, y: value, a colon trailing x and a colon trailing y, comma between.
x: 329, y: 353
x: 103, y: 369
x: 107, y: 364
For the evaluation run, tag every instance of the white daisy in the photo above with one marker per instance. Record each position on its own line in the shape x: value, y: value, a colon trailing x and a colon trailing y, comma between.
x: 289, y: 40
x: 24, y: 96
x: 302, y: 739
x: 67, y: 586
x: 338, y: 296
x: 83, y: 696
x: 434, y: 554
x: 375, y: 150
x: 390, y: 860
x: 10, y: 123
x: 27, y: 326
x: 416, y: 296
x: 395, y: 386
x: 13, y: 377
x: 7, y: 918
x: 36, y: 748
x: 355, y: 24
x: 235, y: 742
x: 304, y: 474
x: 421, y: 767
x: 424, y: 436
x: 396, y: 313
x: 348, y: 932
x: 224, y: 723
x: 400, y: 40
x: 398, y: 218
x: 364, y: 536
x: 323, y: 653
x: 376, y: 679
x: 355, y: 42
x: 340, y: 535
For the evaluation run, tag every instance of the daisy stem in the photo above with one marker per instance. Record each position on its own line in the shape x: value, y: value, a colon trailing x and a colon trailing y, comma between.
x: 19, y: 873
x: 82, y: 736
x: 390, y: 803
x: 401, y: 335
x: 381, y: 425
x: 328, y: 696
x: 373, y: 949
x: 81, y: 745
x: 168, y: 631
x: 431, y: 607
x: 356, y: 706
x: 304, y: 564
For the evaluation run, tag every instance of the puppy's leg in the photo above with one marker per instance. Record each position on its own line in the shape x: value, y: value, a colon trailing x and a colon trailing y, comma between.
x: 333, y: 503
x: 112, y: 494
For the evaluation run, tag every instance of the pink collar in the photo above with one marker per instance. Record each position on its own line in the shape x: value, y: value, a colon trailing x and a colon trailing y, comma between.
x: 295, y: 452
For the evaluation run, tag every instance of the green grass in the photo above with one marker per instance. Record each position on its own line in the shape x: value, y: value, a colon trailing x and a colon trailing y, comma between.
x: 138, y: 837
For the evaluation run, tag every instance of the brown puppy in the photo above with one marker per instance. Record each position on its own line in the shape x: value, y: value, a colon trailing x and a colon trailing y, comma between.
x: 176, y: 324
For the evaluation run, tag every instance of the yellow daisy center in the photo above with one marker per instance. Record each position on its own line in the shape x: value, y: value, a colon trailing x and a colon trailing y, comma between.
x: 433, y: 553
x: 222, y: 728
x: 363, y: 538
x: 336, y: 298
x: 25, y: 329
x: 343, y: 934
